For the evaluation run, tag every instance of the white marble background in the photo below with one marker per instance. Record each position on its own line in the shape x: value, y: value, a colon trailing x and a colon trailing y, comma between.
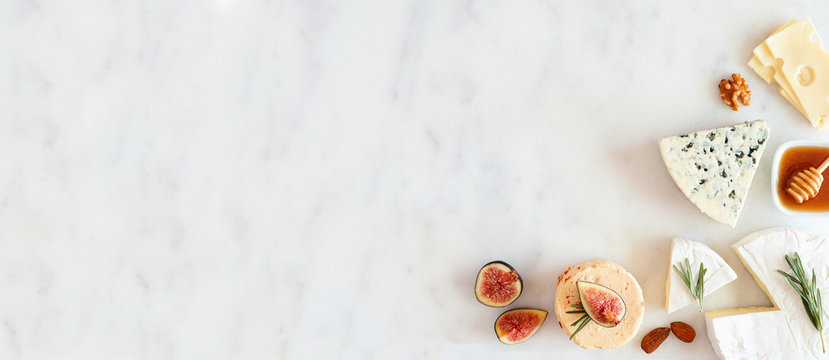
x: 239, y: 179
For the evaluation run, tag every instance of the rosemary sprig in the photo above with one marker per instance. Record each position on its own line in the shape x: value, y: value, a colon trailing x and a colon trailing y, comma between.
x: 808, y: 291
x: 582, y: 321
x: 697, y: 287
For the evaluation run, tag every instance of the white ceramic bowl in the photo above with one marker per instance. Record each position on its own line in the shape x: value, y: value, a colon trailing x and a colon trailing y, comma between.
x: 775, y: 169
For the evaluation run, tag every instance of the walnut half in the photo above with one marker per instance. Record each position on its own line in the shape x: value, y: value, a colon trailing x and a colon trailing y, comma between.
x: 735, y: 91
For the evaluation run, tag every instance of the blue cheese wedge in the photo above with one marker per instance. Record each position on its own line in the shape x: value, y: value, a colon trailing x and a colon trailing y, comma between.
x: 714, y: 168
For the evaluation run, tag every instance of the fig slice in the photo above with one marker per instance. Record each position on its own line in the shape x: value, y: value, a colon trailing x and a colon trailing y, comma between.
x: 498, y: 284
x: 602, y: 304
x: 517, y: 325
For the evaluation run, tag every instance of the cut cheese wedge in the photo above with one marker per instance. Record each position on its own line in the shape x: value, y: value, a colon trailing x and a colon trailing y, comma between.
x: 764, y: 65
x: 767, y: 67
x: 806, y: 66
x: 714, y: 168
x: 784, y: 330
x: 718, y: 272
x: 793, y: 56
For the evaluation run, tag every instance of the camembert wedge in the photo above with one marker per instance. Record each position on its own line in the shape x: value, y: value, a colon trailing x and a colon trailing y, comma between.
x: 714, y: 168
x: 782, y: 331
x: 718, y: 274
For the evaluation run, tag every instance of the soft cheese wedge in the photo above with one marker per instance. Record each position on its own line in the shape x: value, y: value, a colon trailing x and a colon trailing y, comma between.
x: 714, y: 168
x: 784, y: 330
x: 718, y: 275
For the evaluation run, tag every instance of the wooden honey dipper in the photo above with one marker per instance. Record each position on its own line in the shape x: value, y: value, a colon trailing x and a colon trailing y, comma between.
x: 806, y: 183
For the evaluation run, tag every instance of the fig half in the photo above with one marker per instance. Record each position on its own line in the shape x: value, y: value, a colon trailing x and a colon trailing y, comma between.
x: 498, y: 284
x: 517, y: 325
x: 601, y: 303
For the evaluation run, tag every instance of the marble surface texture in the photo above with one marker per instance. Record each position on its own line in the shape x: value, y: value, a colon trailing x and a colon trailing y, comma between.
x: 239, y: 179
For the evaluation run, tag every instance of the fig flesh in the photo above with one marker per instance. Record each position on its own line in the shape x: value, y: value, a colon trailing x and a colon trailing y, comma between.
x: 497, y: 284
x: 602, y: 304
x: 517, y: 325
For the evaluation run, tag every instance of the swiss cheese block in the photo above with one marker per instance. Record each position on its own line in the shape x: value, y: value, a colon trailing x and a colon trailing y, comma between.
x: 762, y: 57
x: 762, y: 62
x: 794, y: 58
x: 770, y: 69
x: 805, y: 64
x: 714, y: 168
x: 783, y: 331
x: 765, y: 65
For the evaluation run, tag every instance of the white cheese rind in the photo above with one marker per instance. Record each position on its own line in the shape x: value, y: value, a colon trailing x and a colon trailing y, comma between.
x: 718, y: 272
x: 714, y: 168
x: 786, y: 333
x: 727, y: 336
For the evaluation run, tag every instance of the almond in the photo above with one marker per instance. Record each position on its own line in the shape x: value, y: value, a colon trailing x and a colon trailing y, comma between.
x: 683, y: 331
x: 653, y: 339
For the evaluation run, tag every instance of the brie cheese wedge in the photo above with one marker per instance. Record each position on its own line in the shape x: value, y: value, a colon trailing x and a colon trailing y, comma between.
x: 718, y: 274
x: 714, y: 168
x: 784, y: 330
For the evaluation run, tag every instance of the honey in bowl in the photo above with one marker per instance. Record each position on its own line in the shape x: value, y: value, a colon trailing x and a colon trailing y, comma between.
x: 794, y: 160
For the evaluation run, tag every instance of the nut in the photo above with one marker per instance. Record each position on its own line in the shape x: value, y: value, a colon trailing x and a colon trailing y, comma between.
x: 683, y: 331
x: 653, y: 339
x: 735, y: 91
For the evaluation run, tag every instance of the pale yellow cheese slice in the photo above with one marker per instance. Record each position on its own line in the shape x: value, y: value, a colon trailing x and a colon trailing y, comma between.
x: 772, y: 67
x: 806, y: 66
x: 781, y: 27
x: 768, y: 73
x: 794, y: 102
x: 764, y: 64
x: 759, y: 66
x: 764, y: 72
x: 765, y: 69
